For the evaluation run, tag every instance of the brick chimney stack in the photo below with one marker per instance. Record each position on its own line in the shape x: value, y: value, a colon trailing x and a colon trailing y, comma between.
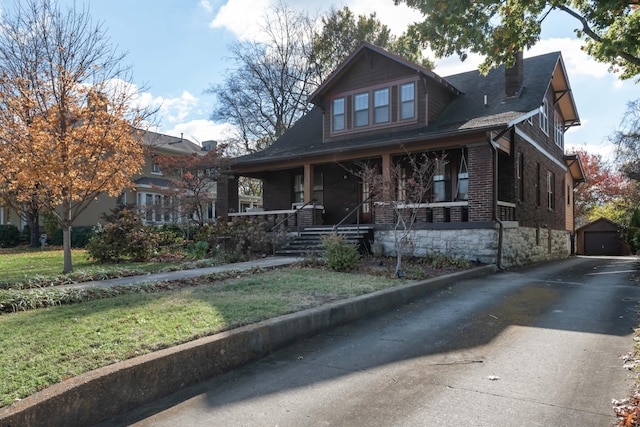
x: 513, y: 76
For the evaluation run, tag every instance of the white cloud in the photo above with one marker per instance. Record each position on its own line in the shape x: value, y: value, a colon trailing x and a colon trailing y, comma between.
x: 244, y: 17
x: 241, y: 17
x: 206, y: 5
x: 576, y: 60
x: 201, y: 130
x: 397, y: 18
x: 175, y: 110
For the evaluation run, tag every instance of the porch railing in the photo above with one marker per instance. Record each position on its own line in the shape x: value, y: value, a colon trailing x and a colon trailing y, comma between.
x: 355, y: 210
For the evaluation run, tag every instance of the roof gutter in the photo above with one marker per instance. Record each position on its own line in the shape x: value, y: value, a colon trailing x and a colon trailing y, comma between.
x: 494, y: 146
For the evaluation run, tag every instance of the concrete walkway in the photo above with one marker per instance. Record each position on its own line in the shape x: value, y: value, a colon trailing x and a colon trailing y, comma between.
x: 268, y: 262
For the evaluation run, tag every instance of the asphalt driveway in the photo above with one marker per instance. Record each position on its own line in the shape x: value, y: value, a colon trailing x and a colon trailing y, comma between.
x: 536, y: 346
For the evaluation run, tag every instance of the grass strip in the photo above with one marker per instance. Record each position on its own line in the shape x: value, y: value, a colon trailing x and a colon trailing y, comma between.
x: 46, y: 346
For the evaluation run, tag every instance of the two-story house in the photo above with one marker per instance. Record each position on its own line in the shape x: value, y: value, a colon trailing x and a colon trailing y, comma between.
x: 505, y: 192
x: 151, y: 192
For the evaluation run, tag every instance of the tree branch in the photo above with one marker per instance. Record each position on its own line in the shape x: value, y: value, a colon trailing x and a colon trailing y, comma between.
x: 589, y: 31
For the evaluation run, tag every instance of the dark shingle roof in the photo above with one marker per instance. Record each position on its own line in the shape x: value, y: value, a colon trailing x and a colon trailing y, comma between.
x: 153, y: 182
x: 469, y: 110
x: 467, y: 113
x: 169, y: 143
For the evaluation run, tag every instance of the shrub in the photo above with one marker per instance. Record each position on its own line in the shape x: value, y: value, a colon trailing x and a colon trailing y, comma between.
x: 236, y: 241
x: 339, y: 253
x: 9, y: 236
x: 126, y: 238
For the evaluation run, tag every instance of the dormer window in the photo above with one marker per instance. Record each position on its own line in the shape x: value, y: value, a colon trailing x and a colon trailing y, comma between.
x: 338, y: 114
x: 361, y: 109
x: 407, y: 101
x: 381, y: 106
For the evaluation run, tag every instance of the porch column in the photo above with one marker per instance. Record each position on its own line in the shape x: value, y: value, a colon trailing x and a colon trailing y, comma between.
x: 387, y: 186
x: 308, y: 182
x: 226, y: 196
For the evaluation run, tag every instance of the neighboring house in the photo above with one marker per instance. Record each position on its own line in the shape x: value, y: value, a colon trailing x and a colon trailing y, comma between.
x: 505, y: 194
x: 601, y: 237
x: 149, y: 194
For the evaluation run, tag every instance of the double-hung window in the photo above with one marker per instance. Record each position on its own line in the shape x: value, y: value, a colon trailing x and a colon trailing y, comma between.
x: 551, y: 183
x: 463, y: 180
x: 338, y: 114
x: 298, y: 189
x: 442, y: 182
x: 544, y: 117
x: 559, y: 130
x: 408, y: 101
x: 361, y: 109
x: 381, y: 106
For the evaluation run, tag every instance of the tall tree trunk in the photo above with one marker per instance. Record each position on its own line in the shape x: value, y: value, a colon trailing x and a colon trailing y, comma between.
x: 34, y: 223
x: 66, y: 246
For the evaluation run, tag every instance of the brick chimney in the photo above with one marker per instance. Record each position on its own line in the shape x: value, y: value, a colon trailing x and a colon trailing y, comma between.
x: 513, y: 76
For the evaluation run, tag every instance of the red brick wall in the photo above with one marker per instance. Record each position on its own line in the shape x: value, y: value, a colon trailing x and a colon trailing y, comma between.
x: 226, y: 197
x: 529, y: 212
x: 278, y: 190
x: 481, y: 171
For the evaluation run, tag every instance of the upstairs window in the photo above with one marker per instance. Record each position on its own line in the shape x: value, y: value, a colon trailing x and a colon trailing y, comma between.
x: 544, y: 117
x: 361, y: 109
x: 381, y: 106
x: 155, y: 168
x: 407, y: 101
x: 559, y: 130
x: 338, y: 114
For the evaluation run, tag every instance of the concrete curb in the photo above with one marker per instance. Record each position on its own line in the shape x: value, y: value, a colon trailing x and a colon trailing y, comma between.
x: 104, y: 393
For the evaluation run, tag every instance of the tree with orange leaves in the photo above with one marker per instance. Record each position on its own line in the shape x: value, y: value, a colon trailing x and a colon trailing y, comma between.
x: 68, y: 127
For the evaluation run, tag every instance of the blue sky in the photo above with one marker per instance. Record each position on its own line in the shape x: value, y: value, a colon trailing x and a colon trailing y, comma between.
x: 178, y: 48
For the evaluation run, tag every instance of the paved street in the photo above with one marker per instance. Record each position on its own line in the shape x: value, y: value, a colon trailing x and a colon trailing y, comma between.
x: 537, y: 346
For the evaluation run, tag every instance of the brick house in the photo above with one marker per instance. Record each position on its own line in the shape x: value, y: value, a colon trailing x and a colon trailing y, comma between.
x: 504, y: 194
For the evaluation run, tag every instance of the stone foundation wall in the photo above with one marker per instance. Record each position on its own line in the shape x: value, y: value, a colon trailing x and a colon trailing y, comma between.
x: 527, y: 245
x: 521, y: 246
x: 473, y: 245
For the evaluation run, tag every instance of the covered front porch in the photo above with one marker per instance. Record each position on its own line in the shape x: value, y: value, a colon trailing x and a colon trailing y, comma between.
x: 336, y: 192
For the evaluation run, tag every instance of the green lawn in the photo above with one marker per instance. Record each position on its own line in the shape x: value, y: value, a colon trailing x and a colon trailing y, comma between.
x: 43, y: 347
x: 24, y: 264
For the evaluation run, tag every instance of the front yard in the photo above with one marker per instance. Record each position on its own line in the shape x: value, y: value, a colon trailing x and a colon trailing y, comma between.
x: 44, y: 346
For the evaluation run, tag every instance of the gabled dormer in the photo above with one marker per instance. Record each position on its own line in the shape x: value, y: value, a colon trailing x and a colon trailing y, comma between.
x: 374, y: 90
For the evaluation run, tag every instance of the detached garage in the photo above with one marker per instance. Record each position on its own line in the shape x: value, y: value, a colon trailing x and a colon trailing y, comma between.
x: 601, y: 237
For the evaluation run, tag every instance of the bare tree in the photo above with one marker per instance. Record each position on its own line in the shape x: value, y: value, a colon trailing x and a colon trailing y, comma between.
x: 627, y: 141
x: 67, y: 115
x: 268, y: 90
x: 408, y: 185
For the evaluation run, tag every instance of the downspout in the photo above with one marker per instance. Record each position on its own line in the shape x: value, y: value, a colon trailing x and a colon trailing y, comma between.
x: 496, y: 217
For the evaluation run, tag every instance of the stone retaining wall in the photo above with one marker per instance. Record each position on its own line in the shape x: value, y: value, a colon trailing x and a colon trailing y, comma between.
x: 521, y: 245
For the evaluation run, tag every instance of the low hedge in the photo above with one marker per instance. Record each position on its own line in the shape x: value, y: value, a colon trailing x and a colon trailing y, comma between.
x: 9, y: 236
